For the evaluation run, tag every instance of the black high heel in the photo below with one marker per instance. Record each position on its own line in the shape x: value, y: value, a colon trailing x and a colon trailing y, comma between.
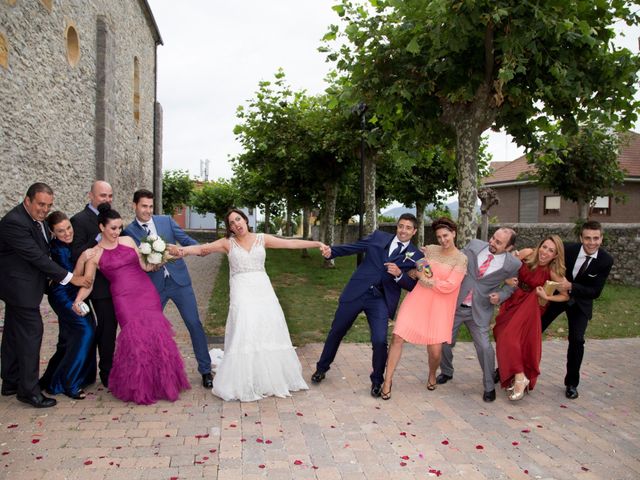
x: 79, y: 395
x: 386, y: 395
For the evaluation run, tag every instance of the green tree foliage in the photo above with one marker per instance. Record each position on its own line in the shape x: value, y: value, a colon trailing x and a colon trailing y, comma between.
x: 176, y: 190
x: 465, y: 66
x: 580, y: 167
x: 217, y: 198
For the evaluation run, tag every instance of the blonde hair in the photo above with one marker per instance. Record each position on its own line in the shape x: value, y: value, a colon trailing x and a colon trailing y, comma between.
x: 557, y: 264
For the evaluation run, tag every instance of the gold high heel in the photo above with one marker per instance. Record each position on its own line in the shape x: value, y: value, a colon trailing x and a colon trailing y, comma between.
x: 516, y: 395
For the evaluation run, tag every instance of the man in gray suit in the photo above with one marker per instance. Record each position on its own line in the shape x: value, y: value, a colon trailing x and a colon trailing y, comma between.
x: 489, y: 266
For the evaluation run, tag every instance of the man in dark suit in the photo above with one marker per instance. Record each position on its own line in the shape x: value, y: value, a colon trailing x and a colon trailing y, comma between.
x: 172, y: 281
x: 26, y: 268
x: 374, y: 288
x: 86, y: 235
x: 588, y: 266
x: 482, y: 289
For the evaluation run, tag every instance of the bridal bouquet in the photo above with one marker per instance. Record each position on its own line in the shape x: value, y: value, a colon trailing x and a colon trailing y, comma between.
x: 154, y: 250
x: 422, y: 265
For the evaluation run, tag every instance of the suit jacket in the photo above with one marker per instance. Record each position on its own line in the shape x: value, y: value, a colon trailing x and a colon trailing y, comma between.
x: 169, y: 230
x: 587, y: 286
x: 85, y: 230
x: 481, y: 307
x: 24, y: 260
x: 372, y: 270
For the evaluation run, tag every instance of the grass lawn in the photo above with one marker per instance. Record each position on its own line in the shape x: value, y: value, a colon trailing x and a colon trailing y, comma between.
x: 309, y: 295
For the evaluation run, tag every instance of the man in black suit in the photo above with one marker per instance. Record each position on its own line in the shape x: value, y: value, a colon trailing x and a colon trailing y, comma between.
x: 26, y: 268
x: 588, y: 267
x: 86, y: 235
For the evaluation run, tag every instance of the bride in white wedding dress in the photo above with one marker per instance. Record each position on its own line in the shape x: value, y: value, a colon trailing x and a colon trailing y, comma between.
x: 259, y: 359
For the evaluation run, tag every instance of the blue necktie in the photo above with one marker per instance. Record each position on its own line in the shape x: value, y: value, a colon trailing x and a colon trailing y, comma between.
x: 146, y: 229
x: 397, y: 251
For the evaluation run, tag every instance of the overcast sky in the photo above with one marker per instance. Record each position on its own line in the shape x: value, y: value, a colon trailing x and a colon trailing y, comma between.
x: 214, y: 55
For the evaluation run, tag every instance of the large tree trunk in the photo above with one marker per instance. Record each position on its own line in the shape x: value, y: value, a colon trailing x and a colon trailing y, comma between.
x: 344, y: 226
x: 468, y: 120
x: 370, y: 212
x: 267, y: 218
x: 306, y: 211
x: 329, y: 217
x: 288, y: 224
x: 583, y: 210
x: 420, y: 216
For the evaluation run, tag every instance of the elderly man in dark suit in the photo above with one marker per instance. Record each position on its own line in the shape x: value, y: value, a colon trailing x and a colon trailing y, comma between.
x: 588, y: 266
x: 26, y: 269
x: 374, y: 288
x: 86, y: 235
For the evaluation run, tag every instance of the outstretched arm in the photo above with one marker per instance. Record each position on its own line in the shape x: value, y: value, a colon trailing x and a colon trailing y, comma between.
x: 219, y: 246
x: 276, y: 242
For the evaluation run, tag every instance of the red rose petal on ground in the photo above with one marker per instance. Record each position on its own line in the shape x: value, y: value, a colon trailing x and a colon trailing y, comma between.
x: 539, y: 426
x: 246, y: 414
x: 38, y: 457
x: 262, y: 465
x: 515, y: 444
x: 526, y: 430
x: 404, y: 434
x: 314, y: 467
x: 445, y: 442
x: 198, y: 462
x: 13, y: 425
x: 165, y: 411
x: 118, y: 448
x: 526, y: 471
x: 35, y: 440
x: 405, y: 457
x: 299, y: 414
x: 402, y: 464
x: 5, y: 453
x: 297, y: 462
x: 173, y: 478
x: 479, y: 447
x: 115, y: 418
x: 563, y: 406
x: 510, y: 417
x: 259, y: 440
x: 584, y: 469
x: 88, y: 462
x: 213, y: 450
x: 333, y: 426
x: 167, y: 435
x: 110, y: 463
x: 435, y: 472
x: 377, y: 408
x: 408, y: 423
x: 268, y: 442
x: 232, y: 425
x: 258, y: 422
x: 243, y: 439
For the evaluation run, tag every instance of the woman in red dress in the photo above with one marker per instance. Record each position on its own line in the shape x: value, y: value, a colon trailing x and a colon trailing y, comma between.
x: 518, y: 331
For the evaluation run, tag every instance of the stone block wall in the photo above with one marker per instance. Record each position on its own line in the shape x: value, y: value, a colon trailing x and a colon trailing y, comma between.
x: 52, y: 127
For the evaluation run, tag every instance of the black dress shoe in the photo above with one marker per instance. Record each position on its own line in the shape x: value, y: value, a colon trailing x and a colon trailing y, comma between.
x: 38, y: 401
x: 207, y: 380
x: 376, y: 389
x: 442, y: 379
x: 317, y: 376
x: 496, y: 376
x: 489, y: 396
x: 8, y: 390
x: 571, y: 392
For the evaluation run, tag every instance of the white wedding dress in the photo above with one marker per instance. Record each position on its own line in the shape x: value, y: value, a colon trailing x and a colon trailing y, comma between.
x: 259, y: 359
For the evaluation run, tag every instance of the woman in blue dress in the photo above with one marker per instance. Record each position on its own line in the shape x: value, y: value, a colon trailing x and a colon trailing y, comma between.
x: 73, y: 366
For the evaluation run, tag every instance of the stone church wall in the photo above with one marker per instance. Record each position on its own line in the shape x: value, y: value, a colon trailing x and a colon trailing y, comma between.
x: 68, y: 115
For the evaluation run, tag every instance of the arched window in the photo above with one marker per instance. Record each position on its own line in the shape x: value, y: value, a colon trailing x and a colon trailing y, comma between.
x: 73, y: 45
x: 136, y: 89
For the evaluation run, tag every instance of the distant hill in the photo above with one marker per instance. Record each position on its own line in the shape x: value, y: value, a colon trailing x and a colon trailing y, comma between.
x: 397, y: 211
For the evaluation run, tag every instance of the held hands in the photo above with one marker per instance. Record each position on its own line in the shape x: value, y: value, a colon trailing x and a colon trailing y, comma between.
x: 393, y: 269
x: 325, y: 250
x: 494, y: 298
x: 512, y: 282
x: 81, y: 281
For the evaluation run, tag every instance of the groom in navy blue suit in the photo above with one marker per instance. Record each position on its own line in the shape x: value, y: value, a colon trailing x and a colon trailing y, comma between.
x: 374, y: 288
x: 172, y: 280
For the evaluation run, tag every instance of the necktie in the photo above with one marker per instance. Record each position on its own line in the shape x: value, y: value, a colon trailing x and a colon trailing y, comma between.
x: 397, y: 250
x: 481, y: 271
x: 146, y: 229
x: 40, y: 227
x: 584, y: 265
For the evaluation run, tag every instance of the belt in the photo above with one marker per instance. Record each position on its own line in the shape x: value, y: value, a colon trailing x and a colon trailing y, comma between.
x: 464, y: 305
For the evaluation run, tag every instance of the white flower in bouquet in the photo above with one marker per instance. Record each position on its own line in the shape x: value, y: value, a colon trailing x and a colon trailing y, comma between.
x: 152, y: 238
x: 154, y: 258
x: 159, y: 245
x: 145, y: 248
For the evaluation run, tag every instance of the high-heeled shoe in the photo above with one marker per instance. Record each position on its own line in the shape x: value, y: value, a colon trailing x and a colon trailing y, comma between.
x: 431, y: 386
x: 386, y: 395
x: 517, y: 394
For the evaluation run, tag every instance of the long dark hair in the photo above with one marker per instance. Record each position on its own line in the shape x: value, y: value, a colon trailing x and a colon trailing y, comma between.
x: 226, y: 220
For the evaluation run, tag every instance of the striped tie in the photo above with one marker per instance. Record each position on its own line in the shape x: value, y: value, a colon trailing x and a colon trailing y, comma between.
x: 481, y: 271
x: 146, y: 229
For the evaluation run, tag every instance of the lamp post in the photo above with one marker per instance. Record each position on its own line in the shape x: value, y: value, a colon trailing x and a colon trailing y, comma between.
x: 361, y: 110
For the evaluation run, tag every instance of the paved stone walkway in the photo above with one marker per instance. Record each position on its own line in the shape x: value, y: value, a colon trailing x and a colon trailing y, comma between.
x: 336, y: 430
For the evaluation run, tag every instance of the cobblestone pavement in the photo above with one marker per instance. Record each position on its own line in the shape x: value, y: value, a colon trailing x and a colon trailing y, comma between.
x: 336, y: 430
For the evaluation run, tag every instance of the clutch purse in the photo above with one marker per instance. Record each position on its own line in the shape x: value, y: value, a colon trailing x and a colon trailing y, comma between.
x: 549, y: 288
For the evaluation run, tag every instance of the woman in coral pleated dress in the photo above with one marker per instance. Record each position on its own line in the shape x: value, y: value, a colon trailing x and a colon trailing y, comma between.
x: 426, y: 314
